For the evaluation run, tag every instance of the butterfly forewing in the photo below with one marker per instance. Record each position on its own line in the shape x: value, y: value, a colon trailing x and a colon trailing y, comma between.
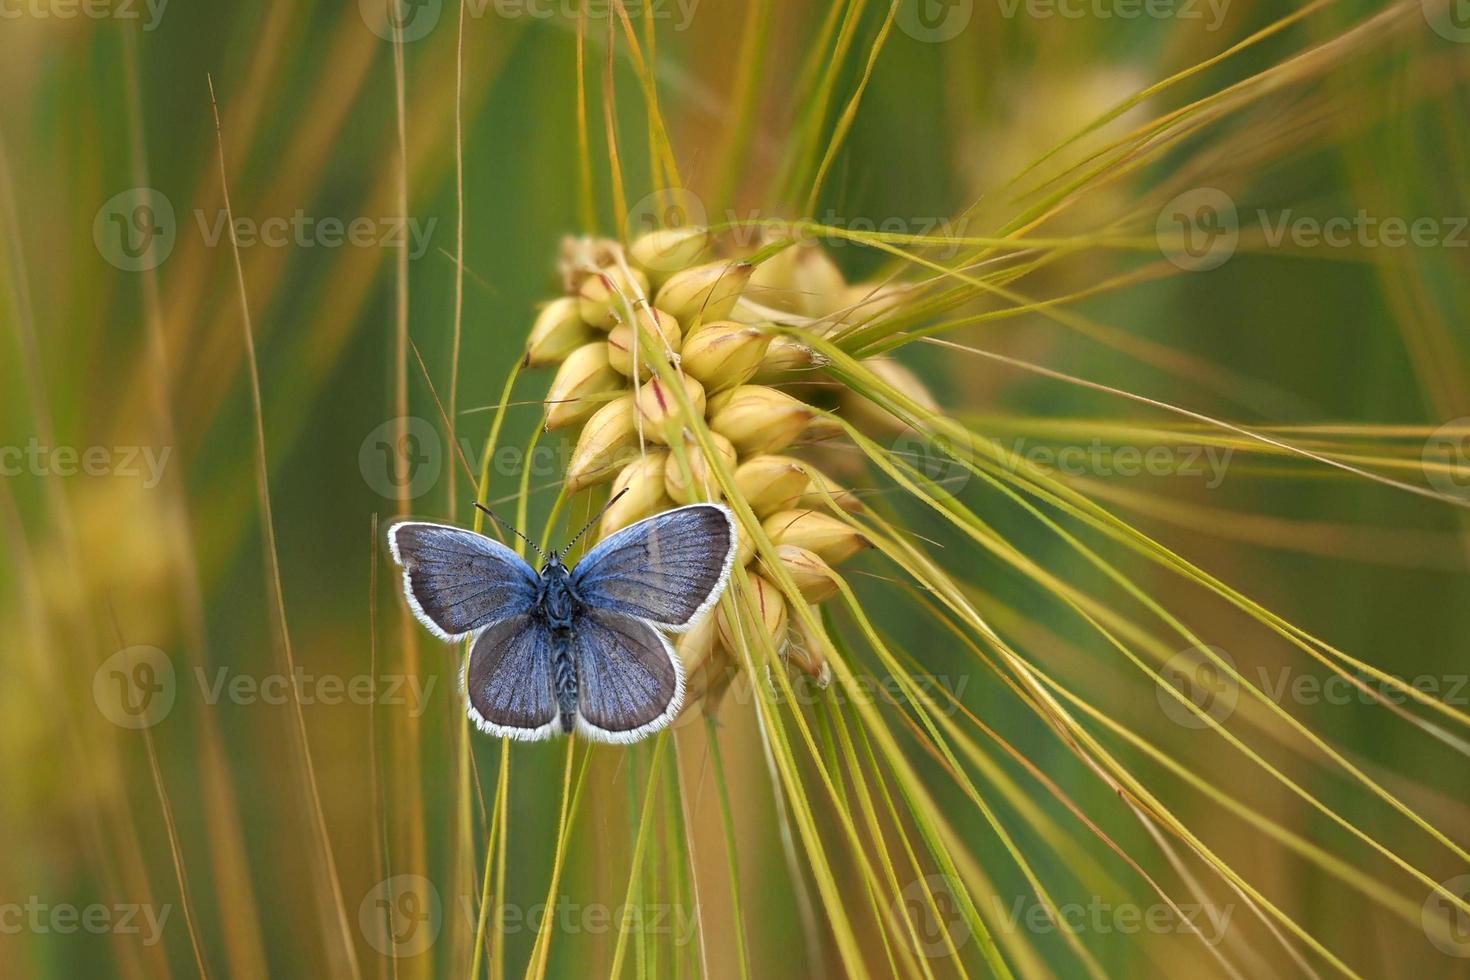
x: 458, y: 581
x: 667, y: 569
x: 509, y: 679
x: 629, y: 680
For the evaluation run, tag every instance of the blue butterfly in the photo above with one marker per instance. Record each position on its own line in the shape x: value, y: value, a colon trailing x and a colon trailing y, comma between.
x: 570, y: 648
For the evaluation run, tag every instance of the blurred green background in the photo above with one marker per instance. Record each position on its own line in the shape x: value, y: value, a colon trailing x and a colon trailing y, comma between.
x: 123, y: 331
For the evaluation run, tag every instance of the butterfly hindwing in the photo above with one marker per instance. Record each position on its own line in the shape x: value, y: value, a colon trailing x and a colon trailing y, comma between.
x: 668, y: 569
x: 458, y: 581
x: 509, y: 680
x: 629, y: 680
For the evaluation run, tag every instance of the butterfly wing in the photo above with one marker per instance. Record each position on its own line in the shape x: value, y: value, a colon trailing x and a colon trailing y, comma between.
x: 508, y: 680
x: 629, y: 680
x: 668, y: 569
x: 458, y: 581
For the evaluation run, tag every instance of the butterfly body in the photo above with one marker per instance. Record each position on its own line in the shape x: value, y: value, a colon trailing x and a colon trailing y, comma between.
x: 556, y: 605
x: 571, y: 649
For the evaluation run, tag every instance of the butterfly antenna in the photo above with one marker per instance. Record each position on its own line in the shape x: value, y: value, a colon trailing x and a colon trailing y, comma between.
x: 511, y: 528
x: 612, y: 500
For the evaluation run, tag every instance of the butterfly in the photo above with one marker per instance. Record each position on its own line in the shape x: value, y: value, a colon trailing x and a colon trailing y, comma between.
x: 570, y: 649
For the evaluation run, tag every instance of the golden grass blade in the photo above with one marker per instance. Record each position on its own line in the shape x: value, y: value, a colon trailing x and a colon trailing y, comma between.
x: 610, y: 125
x: 727, y: 824
x: 234, y: 891
x: 541, y: 952
x: 586, y: 200
x: 849, y: 113
x: 746, y: 100
x: 327, y: 878
x: 950, y: 506
x: 818, y: 82
x: 181, y: 874
x: 640, y: 847
x: 452, y: 493
x: 1118, y: 110
x: 495, y: 831
x: 661, y: 149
